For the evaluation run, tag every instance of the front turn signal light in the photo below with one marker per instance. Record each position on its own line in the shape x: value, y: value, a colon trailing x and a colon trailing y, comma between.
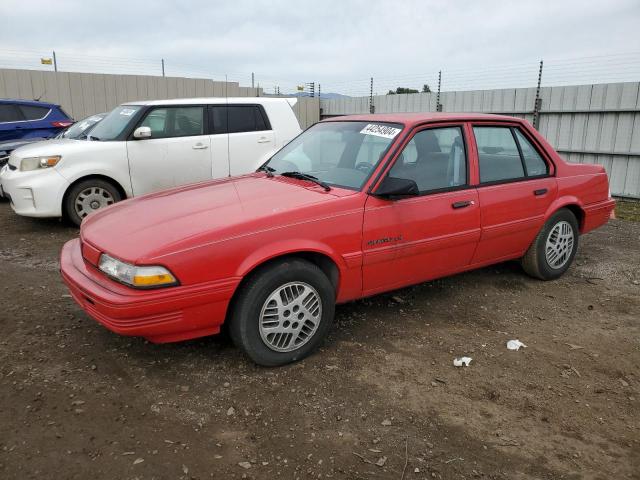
x: 153, y: 276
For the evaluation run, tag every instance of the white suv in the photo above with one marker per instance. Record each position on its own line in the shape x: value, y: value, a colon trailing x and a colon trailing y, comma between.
x: 143, y: 147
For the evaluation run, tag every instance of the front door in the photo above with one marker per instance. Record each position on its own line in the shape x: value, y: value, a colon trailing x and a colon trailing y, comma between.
x: 178, y: 152
x: 515, y: 191
x: 411, y: 240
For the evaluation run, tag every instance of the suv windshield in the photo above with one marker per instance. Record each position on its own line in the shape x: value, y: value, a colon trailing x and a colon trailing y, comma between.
x: 79, y: 130
x: 114, y: 123
x: 337, y: 153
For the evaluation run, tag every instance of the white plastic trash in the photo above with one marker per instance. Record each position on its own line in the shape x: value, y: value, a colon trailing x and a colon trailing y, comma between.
x: 515, y: 345
x: 461, y: 362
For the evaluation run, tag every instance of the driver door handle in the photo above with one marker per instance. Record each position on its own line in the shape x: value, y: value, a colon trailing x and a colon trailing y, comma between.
x: 263, y: 140
x: 463, y: 204
x: 200, y: 146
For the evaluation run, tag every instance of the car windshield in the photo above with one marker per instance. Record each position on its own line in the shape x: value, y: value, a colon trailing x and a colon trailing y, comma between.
x: 340, y: 154
x: 79, y: 130
x: 114, y: 123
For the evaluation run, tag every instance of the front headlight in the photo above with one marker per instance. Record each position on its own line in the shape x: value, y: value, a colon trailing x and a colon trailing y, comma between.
x: 34, y: 163
x: 136, y: 276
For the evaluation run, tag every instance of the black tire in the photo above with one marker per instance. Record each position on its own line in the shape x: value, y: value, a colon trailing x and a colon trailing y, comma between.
x: 244, y: 326
x: 73, y: 197
x: 535, y: 261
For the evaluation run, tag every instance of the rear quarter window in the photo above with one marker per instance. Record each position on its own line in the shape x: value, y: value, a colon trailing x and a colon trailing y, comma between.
x: 32, y: 112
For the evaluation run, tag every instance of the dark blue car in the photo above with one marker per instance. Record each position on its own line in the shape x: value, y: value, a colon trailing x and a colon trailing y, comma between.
x: 31, y: 119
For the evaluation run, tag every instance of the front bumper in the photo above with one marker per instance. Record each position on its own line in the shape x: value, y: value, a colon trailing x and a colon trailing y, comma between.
x: 162, y: 315
x: 34, y: 194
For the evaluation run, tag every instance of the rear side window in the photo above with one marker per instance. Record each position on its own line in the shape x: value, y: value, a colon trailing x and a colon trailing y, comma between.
x: 498, y: 154
x: 238, y: 118
x: 534, y: 163
x: 9, y: 113
x: 32, y: 112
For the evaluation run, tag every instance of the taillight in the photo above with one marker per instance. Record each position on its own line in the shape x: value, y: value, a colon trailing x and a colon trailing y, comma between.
x: 62, y: 124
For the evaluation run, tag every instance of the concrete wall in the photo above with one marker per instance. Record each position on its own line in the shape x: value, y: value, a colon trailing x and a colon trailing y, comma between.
x: 83, y: 94
x: 585, y: 123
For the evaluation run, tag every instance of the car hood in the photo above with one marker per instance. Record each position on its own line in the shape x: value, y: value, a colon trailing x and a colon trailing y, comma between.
x: 58, y: 146
x: 10, y: 145
x: 142, y: 228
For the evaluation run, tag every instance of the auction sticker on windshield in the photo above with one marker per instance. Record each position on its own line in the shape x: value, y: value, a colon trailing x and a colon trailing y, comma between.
x: 380, y: 130
x: 127, y: 111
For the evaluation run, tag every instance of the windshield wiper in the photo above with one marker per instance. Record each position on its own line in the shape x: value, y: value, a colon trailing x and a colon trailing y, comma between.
x: 91, y: 137
x: 265, y: 168
x: 306, y: 176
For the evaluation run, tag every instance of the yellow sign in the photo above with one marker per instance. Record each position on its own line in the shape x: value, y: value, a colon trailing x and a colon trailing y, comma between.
x: 46, y: 61
x: 300, y: 88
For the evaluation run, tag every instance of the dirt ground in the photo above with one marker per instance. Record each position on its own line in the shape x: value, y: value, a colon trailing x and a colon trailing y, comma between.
x: 380, y: 400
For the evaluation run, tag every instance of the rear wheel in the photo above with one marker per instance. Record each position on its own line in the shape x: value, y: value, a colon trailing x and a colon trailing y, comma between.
x: 283, y: 312
x: 87, y: 197
x: 555, y: 246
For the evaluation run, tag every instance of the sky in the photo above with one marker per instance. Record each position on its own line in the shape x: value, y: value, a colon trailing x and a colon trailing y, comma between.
x: 340, y: 44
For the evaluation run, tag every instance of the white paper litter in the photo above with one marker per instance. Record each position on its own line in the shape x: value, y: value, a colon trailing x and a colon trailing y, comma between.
x: 515, y: 345
x: 461, y: 362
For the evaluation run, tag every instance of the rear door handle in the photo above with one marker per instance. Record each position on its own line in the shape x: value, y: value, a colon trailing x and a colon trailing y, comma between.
x: 200, y: 146
x: 540, y: 191
x: 463, y: 204
x: 263, y: 140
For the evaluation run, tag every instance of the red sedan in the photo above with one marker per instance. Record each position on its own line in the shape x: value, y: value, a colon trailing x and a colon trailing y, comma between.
x: 352, y: 207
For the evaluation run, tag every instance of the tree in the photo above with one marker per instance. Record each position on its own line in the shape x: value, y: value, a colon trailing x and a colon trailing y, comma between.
x: 426, y: 88
x: 402, y: 90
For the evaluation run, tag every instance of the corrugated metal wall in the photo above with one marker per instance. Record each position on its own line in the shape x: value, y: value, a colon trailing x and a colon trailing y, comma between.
x: 585, y: 123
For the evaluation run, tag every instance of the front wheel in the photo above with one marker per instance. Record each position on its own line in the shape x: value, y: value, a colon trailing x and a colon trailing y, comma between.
x: 555, y: 246
x: 88, y: 196
x: 283, y: 312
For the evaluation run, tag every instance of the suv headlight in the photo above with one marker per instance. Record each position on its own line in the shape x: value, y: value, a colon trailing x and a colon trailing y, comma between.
x: 34, y: 163
x: 136, y: 276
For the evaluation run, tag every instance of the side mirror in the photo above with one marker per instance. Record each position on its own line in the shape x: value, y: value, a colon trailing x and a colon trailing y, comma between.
x: 142, y: 132
x: 397, y: 187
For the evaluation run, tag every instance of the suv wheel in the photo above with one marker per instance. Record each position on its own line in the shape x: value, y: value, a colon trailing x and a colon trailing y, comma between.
x: 87, y: 197
x: 283, y: 312
x: 555, y: 246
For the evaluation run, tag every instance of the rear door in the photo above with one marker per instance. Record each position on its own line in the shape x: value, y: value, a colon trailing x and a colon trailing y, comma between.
x: 410, y: 240
x: 12, y: 122
x: 251, y: 139
x: 515, y: 189
x: 178, y: 152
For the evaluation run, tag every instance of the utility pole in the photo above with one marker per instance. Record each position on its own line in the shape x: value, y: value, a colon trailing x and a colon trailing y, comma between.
x: 252, y: 79
x: 438, y: 104
x: 372, y: 108
x: 163, y: 67
x: 55, y: 62
x: 538, y: 101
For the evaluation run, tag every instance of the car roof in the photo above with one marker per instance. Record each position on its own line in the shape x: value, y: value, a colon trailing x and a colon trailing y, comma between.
x: 214, y: 101
x: 35, y: 103
x: 410, y: 119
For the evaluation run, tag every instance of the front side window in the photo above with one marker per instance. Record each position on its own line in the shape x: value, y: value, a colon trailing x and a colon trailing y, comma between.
x: 343, y: 154
x: 33, y: 112
x: 434, y: 158
x: 115, y: 123
x: 168, y: 122
x: 498, y: 154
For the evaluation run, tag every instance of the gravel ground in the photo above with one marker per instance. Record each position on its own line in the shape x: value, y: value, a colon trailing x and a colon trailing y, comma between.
x: 381, y: 399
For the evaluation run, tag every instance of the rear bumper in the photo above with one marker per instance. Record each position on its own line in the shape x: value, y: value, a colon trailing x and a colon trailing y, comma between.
x: 162, y: 315
x: 597, y: 214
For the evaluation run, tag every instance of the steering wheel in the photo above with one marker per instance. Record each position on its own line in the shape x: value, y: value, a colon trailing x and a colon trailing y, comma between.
x: 364, y: 167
